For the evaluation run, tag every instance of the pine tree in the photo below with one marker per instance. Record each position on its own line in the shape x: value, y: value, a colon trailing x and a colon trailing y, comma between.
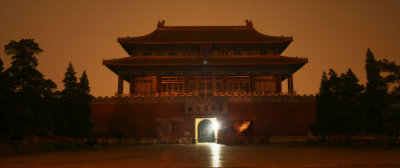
x: 70, y: 82
x: 350, y: 106
x: 27, y: 112
x: 67, y: 117
x: 76, y: 105
x: 4, y: 97
x: 84, y: 84
x: 84, y: 106
x: 320, y: 127
x: 375, y: 95
x: 391, y: 116
x: 1, y: 66
x: 325, y: 105
x: 337, y: 104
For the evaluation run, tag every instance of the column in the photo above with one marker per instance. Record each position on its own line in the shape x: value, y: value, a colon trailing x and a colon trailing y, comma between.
x: 279, y: 83
x: 252, y: 83
x: 158, y: 84
x: 225, y: 84
x: 120, y: 85
x: 290, y: 84
x: 186, y: 84
x: 132, y: 85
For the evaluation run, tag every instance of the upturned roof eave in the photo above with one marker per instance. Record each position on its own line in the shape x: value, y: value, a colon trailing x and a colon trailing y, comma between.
x: 204, y: 42
x: 145, y: 38
x: 295, y: 62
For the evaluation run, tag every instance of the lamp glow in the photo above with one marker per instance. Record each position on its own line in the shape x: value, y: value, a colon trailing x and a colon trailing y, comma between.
x: 215, y: 126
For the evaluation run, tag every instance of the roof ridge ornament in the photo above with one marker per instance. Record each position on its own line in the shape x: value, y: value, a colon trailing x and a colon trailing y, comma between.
x: 249, y: 23
x: 160, y: 23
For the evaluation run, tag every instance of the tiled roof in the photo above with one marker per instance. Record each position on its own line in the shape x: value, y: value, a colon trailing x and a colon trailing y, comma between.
x: 210, y: 60
x: 188, y: 34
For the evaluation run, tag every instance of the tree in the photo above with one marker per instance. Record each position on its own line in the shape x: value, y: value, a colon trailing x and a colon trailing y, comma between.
x: 1, y: 66
x: 375, y: 95
x: 66, y: 116
x: 27, y: 112
x: 84, y: 84
x: 84, y: 105
x: 320, y: 126
x: 5, y: 95
x: 350, y: 107
x: 338, y: 104
x: 325, y: 105
x: 391, y: 116
x: 76, y: 105
x: 70, y: 82
x: 344, y: 107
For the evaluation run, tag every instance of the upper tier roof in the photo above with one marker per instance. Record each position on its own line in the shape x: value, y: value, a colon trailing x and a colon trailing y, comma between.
x: 204, y: 34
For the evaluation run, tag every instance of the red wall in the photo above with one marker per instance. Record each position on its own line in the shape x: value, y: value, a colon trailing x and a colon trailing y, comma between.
x: 134, y: 120
x: 139, y: 120
x: 285, y: 118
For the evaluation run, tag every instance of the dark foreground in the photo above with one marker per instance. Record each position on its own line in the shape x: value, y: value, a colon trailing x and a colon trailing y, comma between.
x: 209, y: 155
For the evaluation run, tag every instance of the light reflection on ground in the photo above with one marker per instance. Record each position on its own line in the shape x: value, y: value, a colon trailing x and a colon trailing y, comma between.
x: 213, y: 150
x: 215, y: 154
x: 209, y: 155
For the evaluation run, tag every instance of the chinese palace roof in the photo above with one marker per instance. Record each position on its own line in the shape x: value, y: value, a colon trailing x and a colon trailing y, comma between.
x: 213, y: 34
x: 142, y: 65
x: 204, y: 34
x: 211, y: 65
x: 199, y: 61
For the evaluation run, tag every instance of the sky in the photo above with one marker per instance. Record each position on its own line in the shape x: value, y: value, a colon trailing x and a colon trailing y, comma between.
x: 330, y: 33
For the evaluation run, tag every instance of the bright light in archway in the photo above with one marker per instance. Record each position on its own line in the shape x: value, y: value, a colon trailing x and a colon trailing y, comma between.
x: 215, y: 126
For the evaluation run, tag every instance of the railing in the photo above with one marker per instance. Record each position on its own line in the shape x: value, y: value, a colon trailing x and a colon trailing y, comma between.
x: 174, y: 94
x: 182, y: 97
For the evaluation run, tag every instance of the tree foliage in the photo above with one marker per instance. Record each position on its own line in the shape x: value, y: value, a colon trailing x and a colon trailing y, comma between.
x: 5, y: 96
x: 345, y: 107
x: 338, y: 104
x: 29, y: 103
x: 375, y: 94
x: 76, y: 104
x: 25, y: 110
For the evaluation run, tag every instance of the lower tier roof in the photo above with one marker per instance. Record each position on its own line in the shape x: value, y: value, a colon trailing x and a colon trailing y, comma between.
x: 210, y: 65
x: 198, y: 60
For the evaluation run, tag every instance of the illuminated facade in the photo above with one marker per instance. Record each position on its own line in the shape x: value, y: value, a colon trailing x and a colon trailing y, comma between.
x: 184, y: 79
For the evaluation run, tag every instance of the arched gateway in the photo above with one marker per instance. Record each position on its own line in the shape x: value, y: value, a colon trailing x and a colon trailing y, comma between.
x: 206, y: 129
x: 206, y: 132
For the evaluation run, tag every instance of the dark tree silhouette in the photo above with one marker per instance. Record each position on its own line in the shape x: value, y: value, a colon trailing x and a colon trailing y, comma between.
x: 350, y: 106
x: 27, y: 112
x: 391, y: 115
x: 338, y: 104
x: 75, y: 114
x: 84, y: 84
x: 70, y: 83
x: 344, y: 107
x: 375, y: 94
x: 320, y: 127
x: 29, y: 103
x: 5, y: 95
x: 84, y: 105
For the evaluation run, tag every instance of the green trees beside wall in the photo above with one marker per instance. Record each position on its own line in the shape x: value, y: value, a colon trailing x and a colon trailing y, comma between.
x: 30, y: 103
x: 345, y: 107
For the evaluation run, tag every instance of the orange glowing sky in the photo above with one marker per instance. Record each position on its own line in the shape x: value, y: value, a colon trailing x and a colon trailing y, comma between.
x: 332, y: 34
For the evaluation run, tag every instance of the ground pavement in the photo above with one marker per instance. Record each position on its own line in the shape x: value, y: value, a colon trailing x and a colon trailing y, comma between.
x: 210, y: 155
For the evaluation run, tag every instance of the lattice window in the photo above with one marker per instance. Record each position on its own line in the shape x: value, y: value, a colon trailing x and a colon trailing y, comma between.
x: 205, y: 85
x: 239, y: 84
x: 172, y: 84
x: 267, y: 83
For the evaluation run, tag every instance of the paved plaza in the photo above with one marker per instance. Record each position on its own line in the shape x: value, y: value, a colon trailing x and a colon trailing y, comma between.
x: 210, y: 155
